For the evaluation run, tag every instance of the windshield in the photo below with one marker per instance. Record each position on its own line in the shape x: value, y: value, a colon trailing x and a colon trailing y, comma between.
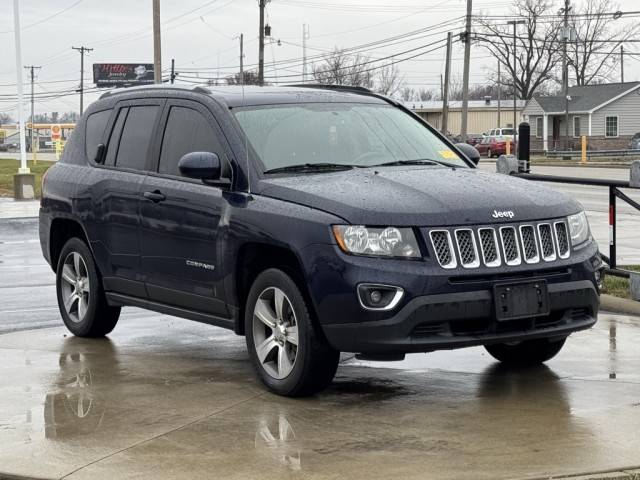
x: 354, y: 134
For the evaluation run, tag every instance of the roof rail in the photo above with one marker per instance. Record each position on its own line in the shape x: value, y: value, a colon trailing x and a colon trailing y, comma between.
x: 324, y: 86
x: 195, y: 89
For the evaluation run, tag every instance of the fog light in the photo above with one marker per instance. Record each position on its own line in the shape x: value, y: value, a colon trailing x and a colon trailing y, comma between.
x: 376, y: 296
x: 379, y: 297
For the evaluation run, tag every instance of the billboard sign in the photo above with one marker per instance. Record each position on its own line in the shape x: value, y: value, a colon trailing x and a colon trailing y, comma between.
x: 122, y: 74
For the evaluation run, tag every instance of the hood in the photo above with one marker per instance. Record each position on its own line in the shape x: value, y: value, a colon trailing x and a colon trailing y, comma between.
x: 421, y: 196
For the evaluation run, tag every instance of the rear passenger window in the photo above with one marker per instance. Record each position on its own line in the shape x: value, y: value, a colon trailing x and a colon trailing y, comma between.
x: 96, y: 123
x: 136, y: 136
x: 187, y: 130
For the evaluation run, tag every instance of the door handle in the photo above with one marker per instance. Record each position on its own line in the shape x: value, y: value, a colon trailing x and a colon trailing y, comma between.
x: 155, y: 196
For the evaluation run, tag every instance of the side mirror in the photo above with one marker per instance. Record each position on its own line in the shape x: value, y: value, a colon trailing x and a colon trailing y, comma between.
x: 469, y: 151
x: 200, y: 165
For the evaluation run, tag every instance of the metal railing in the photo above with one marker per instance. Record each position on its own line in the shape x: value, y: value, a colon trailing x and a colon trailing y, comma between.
x: 614, y: 187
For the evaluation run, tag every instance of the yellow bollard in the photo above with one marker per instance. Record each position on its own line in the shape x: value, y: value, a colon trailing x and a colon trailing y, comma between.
x: 508, y: 147
x: 584, y: 149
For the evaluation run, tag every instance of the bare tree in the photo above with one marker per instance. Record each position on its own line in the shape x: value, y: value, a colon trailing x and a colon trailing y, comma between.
x: 6, y: 118
x: 537, y: 48
x: 424, y: 95
x: 340, y: 68
x: 389, y: 80
x: 593, y: 57
x: 250, y: 78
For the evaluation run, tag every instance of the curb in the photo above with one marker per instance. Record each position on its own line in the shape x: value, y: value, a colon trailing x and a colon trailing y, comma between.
x: 619, y: 305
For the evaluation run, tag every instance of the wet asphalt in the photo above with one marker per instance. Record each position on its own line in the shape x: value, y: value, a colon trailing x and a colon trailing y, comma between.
x: 168, y: 398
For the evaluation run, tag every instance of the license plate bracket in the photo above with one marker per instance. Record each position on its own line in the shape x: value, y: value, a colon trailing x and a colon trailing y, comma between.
x: 521, y: 300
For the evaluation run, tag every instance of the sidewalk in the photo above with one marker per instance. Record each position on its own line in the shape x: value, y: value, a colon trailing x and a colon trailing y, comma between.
x: 10, y: 208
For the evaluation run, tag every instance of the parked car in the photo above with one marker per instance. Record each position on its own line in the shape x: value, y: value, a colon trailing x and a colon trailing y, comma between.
x: 494, y: 146
x: 296, y: 217
x: 475, y: 138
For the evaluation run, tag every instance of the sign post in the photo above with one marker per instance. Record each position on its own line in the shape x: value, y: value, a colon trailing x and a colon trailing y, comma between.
x: 56, y: 137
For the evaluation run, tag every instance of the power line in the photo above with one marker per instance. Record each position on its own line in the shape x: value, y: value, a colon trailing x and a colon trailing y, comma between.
x: 73, y: 5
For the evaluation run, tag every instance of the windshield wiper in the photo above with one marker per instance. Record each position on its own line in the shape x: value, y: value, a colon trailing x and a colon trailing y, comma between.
x: 310, y: 167
x: 414, y: 162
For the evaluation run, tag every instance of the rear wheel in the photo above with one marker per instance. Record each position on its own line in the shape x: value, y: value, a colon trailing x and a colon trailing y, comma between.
x: 81, y: 299
x: 289, y: 355
x: 526, y: 353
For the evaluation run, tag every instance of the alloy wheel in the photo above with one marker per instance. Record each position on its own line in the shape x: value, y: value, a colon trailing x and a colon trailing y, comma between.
x: 275, y: 333
x: 75, y: 286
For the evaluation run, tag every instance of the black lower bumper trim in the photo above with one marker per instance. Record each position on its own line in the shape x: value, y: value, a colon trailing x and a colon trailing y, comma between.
x: 448, y: 321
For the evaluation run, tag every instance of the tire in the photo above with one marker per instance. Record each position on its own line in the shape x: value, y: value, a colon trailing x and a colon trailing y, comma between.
x: 527, y: 353
x: 489, y: 153
x: 286, y: 369
x: 85, y: 314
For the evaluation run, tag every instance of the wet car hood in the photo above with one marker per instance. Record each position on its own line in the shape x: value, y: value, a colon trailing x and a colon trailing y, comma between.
x: 420, y: 196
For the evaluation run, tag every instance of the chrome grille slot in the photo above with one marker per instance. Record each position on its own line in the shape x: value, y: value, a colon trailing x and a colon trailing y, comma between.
x: 443, y: 247
x: 510, y: 247
x: 562, y: 239
x: 529, y: 245
x: 547, y: 247
x: 467, y: 250
x: 489, y: 247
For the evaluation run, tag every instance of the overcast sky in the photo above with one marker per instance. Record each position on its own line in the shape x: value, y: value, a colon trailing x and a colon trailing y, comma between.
x: 202, y: 37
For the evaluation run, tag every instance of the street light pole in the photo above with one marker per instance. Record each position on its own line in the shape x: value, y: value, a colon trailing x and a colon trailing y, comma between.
x: 16, y: 26
x: 465, y: 74
x: 566, y: 34
x: 515, y: 23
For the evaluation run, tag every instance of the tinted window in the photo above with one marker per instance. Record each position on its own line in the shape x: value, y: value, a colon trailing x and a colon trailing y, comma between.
x: 96, y: 123
x: 136, y: 136
x: 112, y: 148
x: 187, y: 130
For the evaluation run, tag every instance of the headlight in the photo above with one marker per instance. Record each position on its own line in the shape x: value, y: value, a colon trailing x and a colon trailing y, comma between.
x: 578, y: 228
x: 389, y: 241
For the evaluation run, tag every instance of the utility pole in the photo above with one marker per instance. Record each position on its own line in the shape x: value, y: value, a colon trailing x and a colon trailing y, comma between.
x: 305, y: 37
x: 262, y: 4
x: 173, y: 71
x: 17, y: 32
x: 621, y: 63
x: 82, y: 51
x: 515, y: 24
x: 565, y: 72
x: 32, y: 69
x: 445, y: 89
x: 157, y: 43
x: 242, y: 59
x: 499, y: 96
x: 465, y: 74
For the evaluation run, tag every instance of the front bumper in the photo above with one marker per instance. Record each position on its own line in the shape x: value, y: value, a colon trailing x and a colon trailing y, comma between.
x: 442, y: 309
x: 456, y: 320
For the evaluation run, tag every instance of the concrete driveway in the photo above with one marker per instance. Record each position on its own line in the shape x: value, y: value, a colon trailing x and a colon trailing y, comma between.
x: 167, y: 398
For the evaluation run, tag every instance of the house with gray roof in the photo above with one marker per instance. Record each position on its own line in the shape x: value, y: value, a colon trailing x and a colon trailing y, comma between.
x: 608, y: 115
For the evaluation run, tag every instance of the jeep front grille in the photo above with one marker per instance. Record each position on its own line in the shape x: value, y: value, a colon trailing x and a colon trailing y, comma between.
x: 529, y: 245
x: 510, y: 246
x: 443, y: 246
x: 547, y: 246
x: 562, y: 239
x: 490, y: 246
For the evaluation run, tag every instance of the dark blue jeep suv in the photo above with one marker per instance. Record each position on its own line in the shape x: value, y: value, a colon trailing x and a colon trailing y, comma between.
x: 312, y: 221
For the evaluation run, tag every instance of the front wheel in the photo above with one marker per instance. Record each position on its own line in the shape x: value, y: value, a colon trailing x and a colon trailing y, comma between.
x: 289, y: 355
x: 526, y: 353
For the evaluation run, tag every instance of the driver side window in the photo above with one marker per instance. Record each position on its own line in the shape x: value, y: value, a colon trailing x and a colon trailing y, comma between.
x: 186, y: 130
